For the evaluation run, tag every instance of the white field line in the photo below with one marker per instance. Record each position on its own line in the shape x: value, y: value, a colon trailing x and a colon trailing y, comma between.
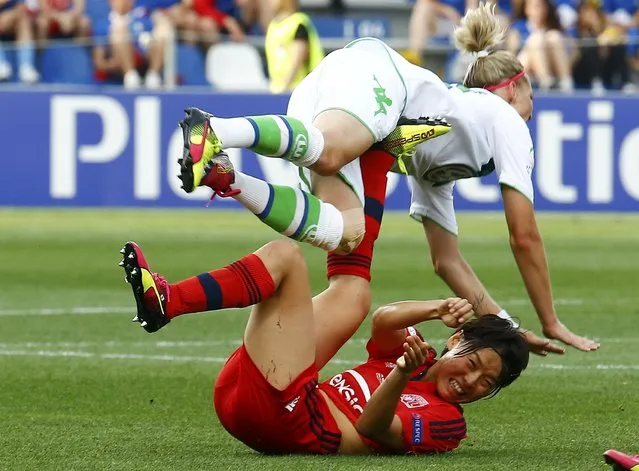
x: 208, y: 343
x: 212, y: 359
x: 93, y: 310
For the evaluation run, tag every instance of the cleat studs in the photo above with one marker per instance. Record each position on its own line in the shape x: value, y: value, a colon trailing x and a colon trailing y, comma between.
x: 126, y: 278
x: 143, y: 324
x: 121, y: 264
x: 131, y: 256
x: 135, y: 319
x: 122, y: 250
x: 134, y: 272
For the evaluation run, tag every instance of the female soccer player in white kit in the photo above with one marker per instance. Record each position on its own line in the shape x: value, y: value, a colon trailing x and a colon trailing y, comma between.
x: 367, y: 87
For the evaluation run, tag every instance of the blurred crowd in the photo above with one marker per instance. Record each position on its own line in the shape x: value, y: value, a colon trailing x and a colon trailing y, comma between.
x: 563, y: 44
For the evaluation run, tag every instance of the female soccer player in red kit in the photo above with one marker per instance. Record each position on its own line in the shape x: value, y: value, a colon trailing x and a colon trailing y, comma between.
x: 401, y: 400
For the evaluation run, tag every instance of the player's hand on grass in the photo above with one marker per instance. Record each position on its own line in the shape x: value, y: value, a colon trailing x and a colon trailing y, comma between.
x: 455, y: 311
x: 415, y: 355
x: 560, y: 332
x: 541, y: 347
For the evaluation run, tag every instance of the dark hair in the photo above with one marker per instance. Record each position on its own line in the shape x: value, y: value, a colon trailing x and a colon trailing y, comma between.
x: 491, y: 331
x: 552, y: 17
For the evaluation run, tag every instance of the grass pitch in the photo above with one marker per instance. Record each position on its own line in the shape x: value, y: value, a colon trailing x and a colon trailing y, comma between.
x: 83, y: 388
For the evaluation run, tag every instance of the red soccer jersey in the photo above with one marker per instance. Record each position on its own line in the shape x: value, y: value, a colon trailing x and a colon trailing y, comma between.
x: 430, y: 424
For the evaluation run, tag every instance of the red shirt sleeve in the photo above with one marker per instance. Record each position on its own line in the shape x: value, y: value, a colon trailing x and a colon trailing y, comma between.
x: 435, y: 429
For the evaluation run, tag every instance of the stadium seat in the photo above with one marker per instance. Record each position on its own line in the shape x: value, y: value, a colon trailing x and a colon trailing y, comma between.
x: 235, y: 67
x: 69, y: 64
x: 190, y: 66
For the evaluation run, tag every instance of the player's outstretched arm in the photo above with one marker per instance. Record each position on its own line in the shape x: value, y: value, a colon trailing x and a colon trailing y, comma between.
x: 460, y: 277
x: 528, y: 248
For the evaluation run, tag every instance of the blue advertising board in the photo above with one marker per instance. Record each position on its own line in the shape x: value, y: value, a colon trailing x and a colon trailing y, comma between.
x: 120, y: 149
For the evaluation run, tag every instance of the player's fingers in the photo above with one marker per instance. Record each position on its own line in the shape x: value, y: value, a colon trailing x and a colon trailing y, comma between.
x: 552, y: 348
x: 459, y: 305
x: 411, y: 357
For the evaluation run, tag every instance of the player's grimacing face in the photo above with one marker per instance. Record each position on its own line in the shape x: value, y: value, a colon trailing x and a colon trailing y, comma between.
x: 467, y: 378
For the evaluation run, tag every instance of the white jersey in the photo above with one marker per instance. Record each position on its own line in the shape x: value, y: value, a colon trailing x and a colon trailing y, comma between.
x: 487, y: 135
x: 378, y: 86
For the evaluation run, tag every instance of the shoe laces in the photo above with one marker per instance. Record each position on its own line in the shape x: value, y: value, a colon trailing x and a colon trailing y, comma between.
x: 223, y: 194
x: 162, y: 285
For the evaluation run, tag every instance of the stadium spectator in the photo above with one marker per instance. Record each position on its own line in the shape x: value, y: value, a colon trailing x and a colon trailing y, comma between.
x: 567, y: 13
x: 15, y: 23
x: 213, y: 22
x: 293, y: 47
x: 544, y: 53
x: 601, y: 61
x: 622, y: 13
x: 252, y: 15
x: 59, y: 19
x: 424, y: 25
x: 126, y: 43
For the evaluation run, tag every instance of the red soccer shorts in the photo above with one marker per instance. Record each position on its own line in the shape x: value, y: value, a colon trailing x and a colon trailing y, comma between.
x: 296, y: 420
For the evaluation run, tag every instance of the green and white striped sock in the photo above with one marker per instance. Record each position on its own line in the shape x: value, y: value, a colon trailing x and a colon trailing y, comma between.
x: 284, y: 137
x: 291, y: 211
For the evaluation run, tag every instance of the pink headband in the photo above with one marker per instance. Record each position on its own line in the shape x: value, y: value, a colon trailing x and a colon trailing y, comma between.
x: 505, y: 83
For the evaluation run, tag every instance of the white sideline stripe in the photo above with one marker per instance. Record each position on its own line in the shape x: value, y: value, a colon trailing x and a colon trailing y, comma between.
x: 334, y: 361
x: 213, y: 343
x: 60, y: 311
x: 88, y: 310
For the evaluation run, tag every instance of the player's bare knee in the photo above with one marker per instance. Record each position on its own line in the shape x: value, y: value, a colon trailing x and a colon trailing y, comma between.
x: 289, y: 254
x: 329, y: 163
x: 354, y: 230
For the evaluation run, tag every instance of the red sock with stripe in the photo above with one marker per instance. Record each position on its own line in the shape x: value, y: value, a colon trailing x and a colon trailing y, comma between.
x: 240, y: 284
x: 375, y: 165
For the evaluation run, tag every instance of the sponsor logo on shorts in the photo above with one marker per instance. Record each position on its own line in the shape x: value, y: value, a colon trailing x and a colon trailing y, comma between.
x: 380, y: 97
x: 300, y: 146
x: 291, y: 405
x: 418, y: 430
x: 346, y: 390
x: 380, y: 377
x: 388, y: 364
x: 413, y: 401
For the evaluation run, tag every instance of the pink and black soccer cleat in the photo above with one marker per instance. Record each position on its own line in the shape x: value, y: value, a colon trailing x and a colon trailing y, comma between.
x: 200, y: 146
x: 150, y: 290
x: 621, y: 462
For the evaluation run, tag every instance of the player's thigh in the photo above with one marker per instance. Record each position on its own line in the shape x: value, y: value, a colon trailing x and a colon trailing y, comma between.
x: 279, y: 335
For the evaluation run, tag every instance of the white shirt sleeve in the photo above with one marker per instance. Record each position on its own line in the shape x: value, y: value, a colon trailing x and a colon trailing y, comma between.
x: 433, y: 202
x: 514, y: 156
